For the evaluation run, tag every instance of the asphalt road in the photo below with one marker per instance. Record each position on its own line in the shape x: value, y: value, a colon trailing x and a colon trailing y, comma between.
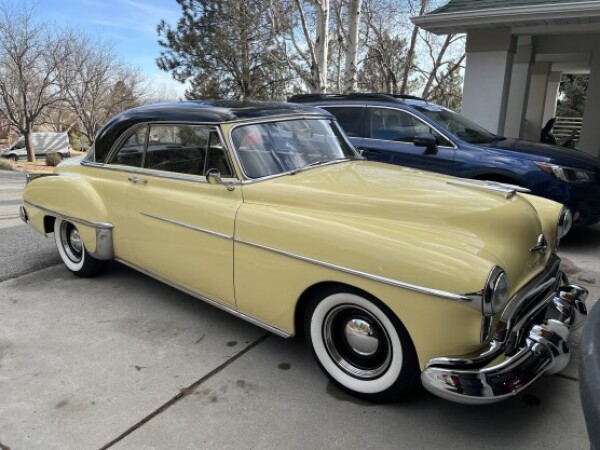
x: 125, y: 362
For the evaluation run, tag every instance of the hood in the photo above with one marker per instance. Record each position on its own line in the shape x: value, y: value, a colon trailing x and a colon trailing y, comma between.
x: 440, y: 212
x: 546, y: 152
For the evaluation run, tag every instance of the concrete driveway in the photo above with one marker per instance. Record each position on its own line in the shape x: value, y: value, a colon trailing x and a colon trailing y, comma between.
x: 125, y: 362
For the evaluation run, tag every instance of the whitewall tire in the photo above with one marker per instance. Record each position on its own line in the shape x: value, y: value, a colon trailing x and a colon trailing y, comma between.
x: 361, y: 345
x: 72, y: 252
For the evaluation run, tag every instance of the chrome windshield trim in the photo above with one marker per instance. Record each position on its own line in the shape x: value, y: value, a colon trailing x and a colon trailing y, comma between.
x: 188, y: 226
x: 369, y: 276
x: 89, y: 223
x: 211, y: 301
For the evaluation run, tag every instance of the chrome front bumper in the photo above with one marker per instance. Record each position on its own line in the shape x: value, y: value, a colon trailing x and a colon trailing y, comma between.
x: 474, y: 379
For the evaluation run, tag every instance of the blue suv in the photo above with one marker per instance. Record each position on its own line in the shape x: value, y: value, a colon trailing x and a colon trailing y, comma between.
x: 409, y: 131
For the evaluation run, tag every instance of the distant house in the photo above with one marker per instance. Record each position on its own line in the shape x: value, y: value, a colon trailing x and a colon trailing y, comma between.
x: 517, y: 51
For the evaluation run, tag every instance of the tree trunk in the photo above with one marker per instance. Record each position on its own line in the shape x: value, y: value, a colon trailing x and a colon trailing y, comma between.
x: 28, y: 147
x: 322, y: 44
x: 354, y: 11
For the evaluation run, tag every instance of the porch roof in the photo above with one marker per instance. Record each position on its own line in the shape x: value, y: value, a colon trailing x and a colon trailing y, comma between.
x: 459, y: 16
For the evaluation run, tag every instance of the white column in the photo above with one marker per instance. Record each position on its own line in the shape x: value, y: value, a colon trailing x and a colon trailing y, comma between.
x: 590, y: 131
x: 551, y: 96
x: 487, y: 76
x: 537, y: 100
x: 519, y: 88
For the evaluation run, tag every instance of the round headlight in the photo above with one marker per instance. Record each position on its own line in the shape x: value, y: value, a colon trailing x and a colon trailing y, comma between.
x: 496, y: 292
x: 565, y: 222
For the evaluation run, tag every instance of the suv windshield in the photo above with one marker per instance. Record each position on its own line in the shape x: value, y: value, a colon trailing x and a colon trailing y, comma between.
x: 286, y: 146
x: 458, y: 125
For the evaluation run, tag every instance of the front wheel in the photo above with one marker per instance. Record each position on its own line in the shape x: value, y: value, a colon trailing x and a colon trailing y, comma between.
x: 361, y: 345
x: 72, y: 250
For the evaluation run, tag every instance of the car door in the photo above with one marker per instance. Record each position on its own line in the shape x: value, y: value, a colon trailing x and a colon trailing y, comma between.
x: 181, y: 227
x: 352, y: 120
x: 389, y: 138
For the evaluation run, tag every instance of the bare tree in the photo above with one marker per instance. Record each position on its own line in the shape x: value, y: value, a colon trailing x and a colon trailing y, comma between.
x: 30, y: 59
x: 97, y: 84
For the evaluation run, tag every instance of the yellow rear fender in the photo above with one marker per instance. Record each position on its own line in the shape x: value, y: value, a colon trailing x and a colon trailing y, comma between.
x: 72, y: 198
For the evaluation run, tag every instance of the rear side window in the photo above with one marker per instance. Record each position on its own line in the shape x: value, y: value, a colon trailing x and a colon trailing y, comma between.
x: 397, y: 125
x: 351, y: 119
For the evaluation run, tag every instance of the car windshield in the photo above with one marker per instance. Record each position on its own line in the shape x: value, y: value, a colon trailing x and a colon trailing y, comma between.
x: 458, y: 125
x: 288, y: 146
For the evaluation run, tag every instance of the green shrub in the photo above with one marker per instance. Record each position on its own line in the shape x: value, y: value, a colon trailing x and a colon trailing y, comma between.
x: 53, y: 159
x: 5, y: 164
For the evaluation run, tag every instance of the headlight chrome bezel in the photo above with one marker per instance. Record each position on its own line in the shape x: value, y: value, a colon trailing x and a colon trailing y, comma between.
x: 564, y: 224
x: 495, y: 293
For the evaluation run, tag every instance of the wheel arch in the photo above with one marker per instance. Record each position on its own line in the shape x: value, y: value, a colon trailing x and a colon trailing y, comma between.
x: 312, y: 291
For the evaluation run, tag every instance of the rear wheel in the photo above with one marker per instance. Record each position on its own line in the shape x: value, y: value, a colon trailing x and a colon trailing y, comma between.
x: 361, y: 345
x: 72, y: 250
x: 13, y: 159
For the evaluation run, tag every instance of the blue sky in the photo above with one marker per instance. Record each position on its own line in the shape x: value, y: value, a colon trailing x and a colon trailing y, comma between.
x: 129, y: 24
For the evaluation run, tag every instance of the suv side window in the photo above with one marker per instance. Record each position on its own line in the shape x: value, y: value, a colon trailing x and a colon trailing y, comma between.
x: 351, y: 119
x: 397, y: 125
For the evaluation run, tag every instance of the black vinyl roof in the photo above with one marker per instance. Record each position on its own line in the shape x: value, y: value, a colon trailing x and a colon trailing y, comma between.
x: 212, y: 112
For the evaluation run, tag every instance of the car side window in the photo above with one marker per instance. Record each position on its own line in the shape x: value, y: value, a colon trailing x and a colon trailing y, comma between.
x: 131, y: 152
x: 351, y: 119
x: 177, y: 148
x: 396, y: 125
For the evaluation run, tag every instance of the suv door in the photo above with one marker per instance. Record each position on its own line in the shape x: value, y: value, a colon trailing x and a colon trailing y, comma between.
x: 352, y: 121
x: 389, y: 138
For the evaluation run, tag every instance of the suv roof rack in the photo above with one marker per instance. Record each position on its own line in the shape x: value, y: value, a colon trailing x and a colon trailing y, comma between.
x: 300, y: 98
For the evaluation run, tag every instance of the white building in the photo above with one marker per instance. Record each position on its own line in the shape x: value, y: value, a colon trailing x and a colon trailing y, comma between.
x: 517, y: 51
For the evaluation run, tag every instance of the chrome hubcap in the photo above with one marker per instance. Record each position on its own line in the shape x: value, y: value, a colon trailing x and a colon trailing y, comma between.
x: 75, y: 240
x: 357, y: 341
x: 71, y: 242
x: 361, y: 337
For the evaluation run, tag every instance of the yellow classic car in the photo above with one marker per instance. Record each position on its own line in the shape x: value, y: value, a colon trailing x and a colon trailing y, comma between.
x: 395, y: 276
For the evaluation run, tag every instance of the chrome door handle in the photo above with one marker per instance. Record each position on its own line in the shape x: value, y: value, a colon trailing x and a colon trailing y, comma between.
x: 136, y: 180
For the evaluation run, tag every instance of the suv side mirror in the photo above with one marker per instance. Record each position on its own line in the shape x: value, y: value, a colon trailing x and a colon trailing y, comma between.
x: 426, y: 140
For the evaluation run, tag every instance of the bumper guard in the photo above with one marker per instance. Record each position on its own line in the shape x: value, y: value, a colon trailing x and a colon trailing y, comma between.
x: 543, y: 350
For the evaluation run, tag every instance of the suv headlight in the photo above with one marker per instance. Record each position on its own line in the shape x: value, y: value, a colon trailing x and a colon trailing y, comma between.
x: 568, y: 174
x: 565, y: 222
x: 495, y: 293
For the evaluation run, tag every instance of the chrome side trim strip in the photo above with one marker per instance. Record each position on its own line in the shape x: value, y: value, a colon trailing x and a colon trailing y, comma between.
x: 396, y: 283
x: 210, y: 301
x: 188, y: 226
x: 89, y: 223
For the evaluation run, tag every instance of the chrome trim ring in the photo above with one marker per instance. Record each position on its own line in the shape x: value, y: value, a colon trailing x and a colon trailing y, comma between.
x: 357, y: 342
